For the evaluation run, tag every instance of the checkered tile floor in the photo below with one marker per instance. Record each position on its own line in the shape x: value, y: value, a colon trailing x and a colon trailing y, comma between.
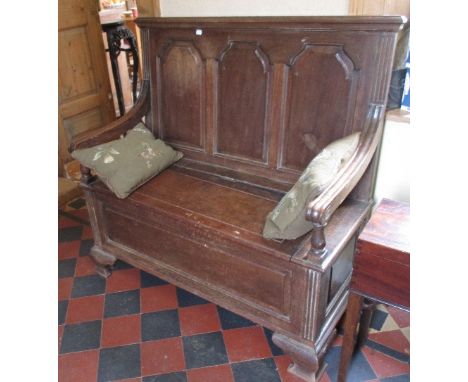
x: 137, y: 327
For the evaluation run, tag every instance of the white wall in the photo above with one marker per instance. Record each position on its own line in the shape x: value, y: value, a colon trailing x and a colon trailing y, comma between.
x: 393, y: 174
x: 175, y: 8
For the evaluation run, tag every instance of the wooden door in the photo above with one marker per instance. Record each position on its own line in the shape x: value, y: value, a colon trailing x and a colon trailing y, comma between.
x: 85, y: 99
x: 379, y: 7
x: 149, y: 8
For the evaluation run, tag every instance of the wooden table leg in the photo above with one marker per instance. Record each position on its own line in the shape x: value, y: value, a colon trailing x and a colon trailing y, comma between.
x: 353, y: 314
x: 366, y: 318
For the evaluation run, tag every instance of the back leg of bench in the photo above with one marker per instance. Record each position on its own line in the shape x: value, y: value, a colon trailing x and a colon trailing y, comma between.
x: 104, y: 261
x: 305, y: 361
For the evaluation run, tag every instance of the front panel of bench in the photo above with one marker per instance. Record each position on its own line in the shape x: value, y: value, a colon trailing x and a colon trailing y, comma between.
x: 265, y: 288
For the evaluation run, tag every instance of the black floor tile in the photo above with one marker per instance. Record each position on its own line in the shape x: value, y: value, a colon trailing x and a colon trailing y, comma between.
x: 399, y: 378
x: 204, y: 350
x: 359, y: 369
x: 120, y: 265
x: 86, y: 246
x: 388, y: 351
x: 378, y: 319
x: 188, y: 299
x: 122, y: 303
x: 83, y: 336
x: 172, y: 377
x: 78, y: 203
x: 148, y: 280
x: 88, y: 286
x: 119, y: 363
x: 62, y: 311
x: 70, y: 233
x: 256, y: 371
x: 275, y: 350
x: 230, y: 320
x: 66, y: 268
x: 159, y: 325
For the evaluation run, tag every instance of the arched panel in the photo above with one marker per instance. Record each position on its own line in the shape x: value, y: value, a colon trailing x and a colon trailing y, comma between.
x: 182, y: 95
x: 243, y: 98
x: 321, y: 83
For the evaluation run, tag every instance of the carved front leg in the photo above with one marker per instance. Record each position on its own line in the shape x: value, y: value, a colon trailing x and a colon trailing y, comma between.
x: 305, y: 361
x: 104, y: 261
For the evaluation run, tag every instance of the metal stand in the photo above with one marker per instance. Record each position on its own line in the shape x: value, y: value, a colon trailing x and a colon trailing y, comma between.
x: 116, y: 32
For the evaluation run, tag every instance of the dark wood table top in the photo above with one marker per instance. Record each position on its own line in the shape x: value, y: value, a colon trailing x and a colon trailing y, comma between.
x: 389, y: 226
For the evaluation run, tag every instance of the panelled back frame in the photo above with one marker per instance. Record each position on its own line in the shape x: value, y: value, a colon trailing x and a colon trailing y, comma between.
x: 250, y: 101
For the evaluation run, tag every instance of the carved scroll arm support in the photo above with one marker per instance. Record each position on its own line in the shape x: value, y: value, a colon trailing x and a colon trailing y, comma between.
x: 320, y: 209
x: 116, y: 128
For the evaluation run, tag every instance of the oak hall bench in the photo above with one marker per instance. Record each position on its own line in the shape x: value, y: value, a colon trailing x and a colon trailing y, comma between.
x: 250, y: 101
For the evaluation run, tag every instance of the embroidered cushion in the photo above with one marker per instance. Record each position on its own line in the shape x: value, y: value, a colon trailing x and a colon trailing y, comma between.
x: 127, y: 163
x: 287, y: 220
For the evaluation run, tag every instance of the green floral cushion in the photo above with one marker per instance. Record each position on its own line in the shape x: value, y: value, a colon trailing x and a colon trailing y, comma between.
x: 287, y: 220
x: 127, y: 163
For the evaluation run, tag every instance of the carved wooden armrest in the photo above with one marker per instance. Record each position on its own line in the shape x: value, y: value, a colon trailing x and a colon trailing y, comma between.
x: 116, y: 128
x: 320, y: 209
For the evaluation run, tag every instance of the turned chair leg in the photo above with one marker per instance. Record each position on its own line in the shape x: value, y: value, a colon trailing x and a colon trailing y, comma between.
x: 353, y: 313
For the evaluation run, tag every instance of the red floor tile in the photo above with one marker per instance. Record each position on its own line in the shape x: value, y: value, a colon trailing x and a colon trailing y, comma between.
x: 338, y: 341
x: 81, y: 213
x: 64, y: 288
x: 163, y: 356
x: 68, y: 249
x: 383, y: 365
x: 85, y: 309
x: 282, y: 363
x: 119, y: 281
x: 78, y: 367
x: 158, y: 298
x: 221, y: 373
x: 65, y: 222
x: 401, y: 317
x: 393, y: 339
x: 199, y: 319
x: 119, y: 331
x: 87, y: 233
x: 85, y: 266
x: 246, y: 343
